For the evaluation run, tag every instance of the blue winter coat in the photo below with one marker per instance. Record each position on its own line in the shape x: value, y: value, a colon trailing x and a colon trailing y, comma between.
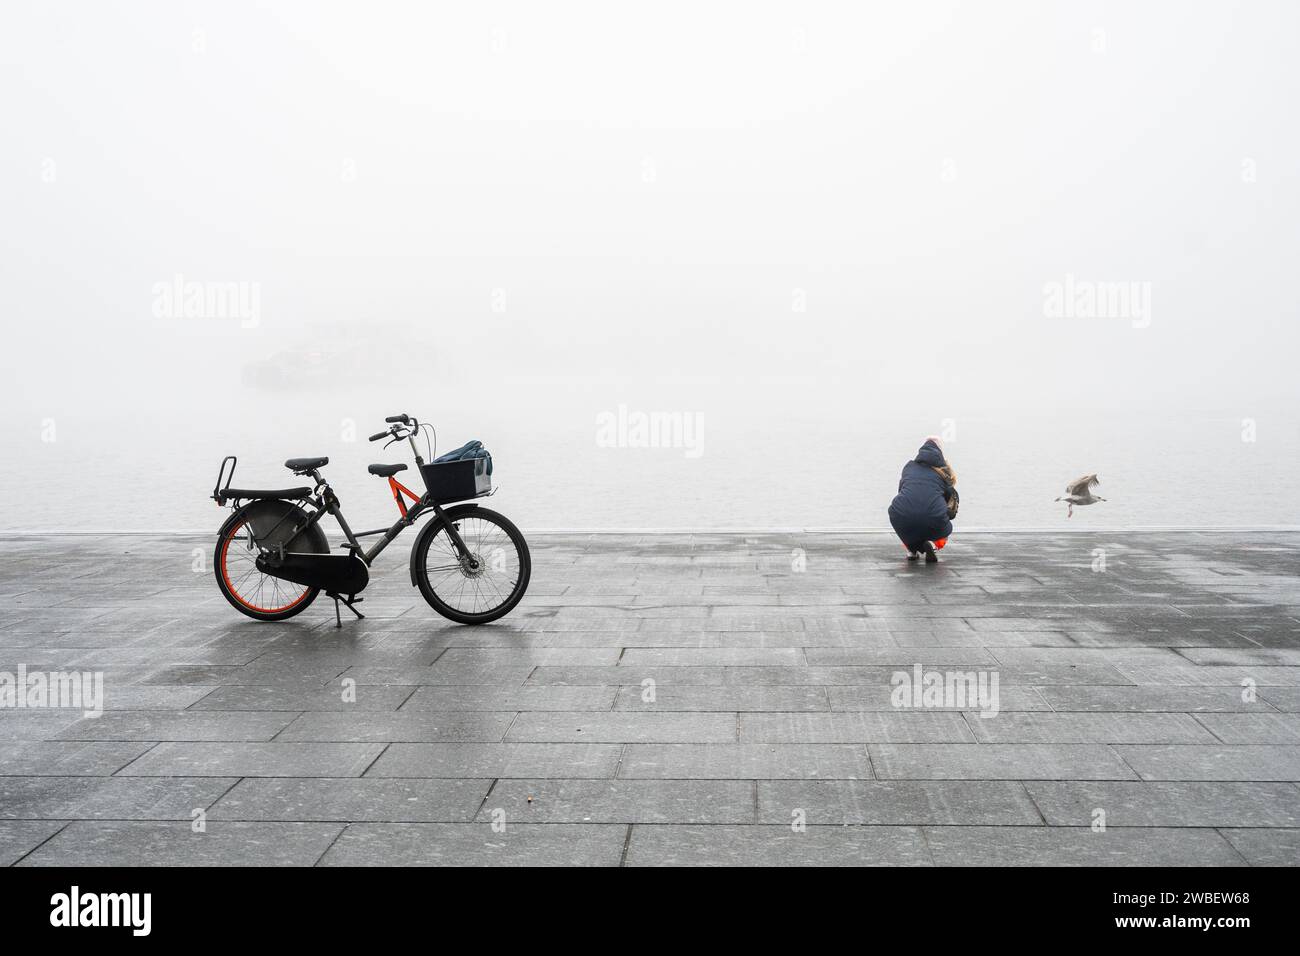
x: 919, y: 512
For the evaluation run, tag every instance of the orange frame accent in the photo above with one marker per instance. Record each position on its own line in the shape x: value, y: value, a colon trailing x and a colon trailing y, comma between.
x: 398, y: 488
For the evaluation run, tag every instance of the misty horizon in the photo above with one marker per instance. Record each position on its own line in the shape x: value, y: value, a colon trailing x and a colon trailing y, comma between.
x: 821, y: 233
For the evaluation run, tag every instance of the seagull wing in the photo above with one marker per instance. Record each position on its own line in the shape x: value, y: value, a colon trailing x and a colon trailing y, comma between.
x: 1081, y: 486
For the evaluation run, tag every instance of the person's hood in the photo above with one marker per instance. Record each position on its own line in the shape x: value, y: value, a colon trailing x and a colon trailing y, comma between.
x: 931, y: 455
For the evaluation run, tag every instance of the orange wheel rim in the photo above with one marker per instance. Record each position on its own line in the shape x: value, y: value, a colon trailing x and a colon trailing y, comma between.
x: 278, y: 587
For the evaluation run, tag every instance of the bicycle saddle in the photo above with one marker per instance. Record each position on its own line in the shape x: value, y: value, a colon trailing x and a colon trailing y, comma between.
x: 306, y: 464
x: 386, y: 471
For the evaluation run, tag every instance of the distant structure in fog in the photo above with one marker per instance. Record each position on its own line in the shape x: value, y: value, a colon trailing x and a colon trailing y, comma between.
x: 1079, y: 492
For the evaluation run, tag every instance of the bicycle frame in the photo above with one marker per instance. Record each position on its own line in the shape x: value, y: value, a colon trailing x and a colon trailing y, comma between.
x: 325, y: 502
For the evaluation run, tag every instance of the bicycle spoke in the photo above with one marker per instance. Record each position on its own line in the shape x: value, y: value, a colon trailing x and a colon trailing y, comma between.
x: 248, y: 584
x: 481, y: 581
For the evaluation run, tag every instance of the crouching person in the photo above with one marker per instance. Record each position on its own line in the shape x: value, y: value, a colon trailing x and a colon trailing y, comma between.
x: 922, y: 511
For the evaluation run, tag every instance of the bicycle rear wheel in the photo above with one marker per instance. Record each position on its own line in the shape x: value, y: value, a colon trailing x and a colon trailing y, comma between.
x: 479, y: 587
x: 251, y: 591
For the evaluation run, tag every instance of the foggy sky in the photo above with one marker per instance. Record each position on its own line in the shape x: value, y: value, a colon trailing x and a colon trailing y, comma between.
x: 827, y: 207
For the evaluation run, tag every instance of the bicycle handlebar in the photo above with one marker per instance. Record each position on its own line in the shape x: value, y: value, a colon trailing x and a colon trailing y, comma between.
x: 399, y: 426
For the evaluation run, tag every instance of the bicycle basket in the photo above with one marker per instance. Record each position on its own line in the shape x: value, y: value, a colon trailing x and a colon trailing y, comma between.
x: 457, y: 480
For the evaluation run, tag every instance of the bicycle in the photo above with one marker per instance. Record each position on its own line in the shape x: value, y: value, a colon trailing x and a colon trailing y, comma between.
x: 272, y: 557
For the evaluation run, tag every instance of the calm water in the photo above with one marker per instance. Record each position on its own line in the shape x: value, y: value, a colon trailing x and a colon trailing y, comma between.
x: 768, y: 457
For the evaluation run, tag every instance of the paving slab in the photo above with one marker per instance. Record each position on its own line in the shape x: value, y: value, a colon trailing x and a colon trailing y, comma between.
x: 1286, y: 699
x: 409, y: 726
x: 896, y: 802
x: 255, y: 760
x: 622, y: 801
x: 67, y: 758
x: 721, y: 699
x: 624, y: 727
x: 745, y: 761
x: 478, y: 844
x: 1138, y: 700
x: 855, y: 727
x: 586, y: 697
x: 19, y: 838
x: 1266, y: 847
x: 673, y: 698
x: 663, y: 676
x: 521, y: 656
x: 882, y: 697
x: 657, y: 845
x: 1075, y: 803
x: 109, y: 798
x: 1090, y: 728
x: 352, y: 799
x: 154, y: 696
x: 1222, y: 762
x: 899, y: 657
x: 998, y: 762
x: 117, y: 843
x: 176, y: 725
x: 498, y: 760
x: 1248, y: 729
x: 1079, y: 846
x: 18, y: 725
x: 261, y: 698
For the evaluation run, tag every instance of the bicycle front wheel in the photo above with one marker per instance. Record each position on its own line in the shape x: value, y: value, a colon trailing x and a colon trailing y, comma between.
x: 486, y: 583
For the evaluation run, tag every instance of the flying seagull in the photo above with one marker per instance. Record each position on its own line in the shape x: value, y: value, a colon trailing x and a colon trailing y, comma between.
x: 1079, y: 492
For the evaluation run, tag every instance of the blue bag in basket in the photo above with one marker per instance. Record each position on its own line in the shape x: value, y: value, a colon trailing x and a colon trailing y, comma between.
x: 471, y: 449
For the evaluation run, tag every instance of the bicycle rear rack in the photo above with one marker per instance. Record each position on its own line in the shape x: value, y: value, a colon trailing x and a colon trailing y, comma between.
x: 218, y: 490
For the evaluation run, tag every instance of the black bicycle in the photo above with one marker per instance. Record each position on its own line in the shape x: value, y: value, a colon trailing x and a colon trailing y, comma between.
x: 272, y: 559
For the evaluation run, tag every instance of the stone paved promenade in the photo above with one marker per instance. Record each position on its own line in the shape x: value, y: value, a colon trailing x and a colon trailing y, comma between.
x: 669, y: 700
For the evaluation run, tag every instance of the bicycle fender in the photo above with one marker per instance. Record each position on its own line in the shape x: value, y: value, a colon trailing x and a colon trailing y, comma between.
x: 431, y: 528
x: 265, y: 515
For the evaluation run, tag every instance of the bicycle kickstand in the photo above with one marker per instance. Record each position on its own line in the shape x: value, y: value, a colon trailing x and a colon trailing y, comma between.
x: 348, y: 603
